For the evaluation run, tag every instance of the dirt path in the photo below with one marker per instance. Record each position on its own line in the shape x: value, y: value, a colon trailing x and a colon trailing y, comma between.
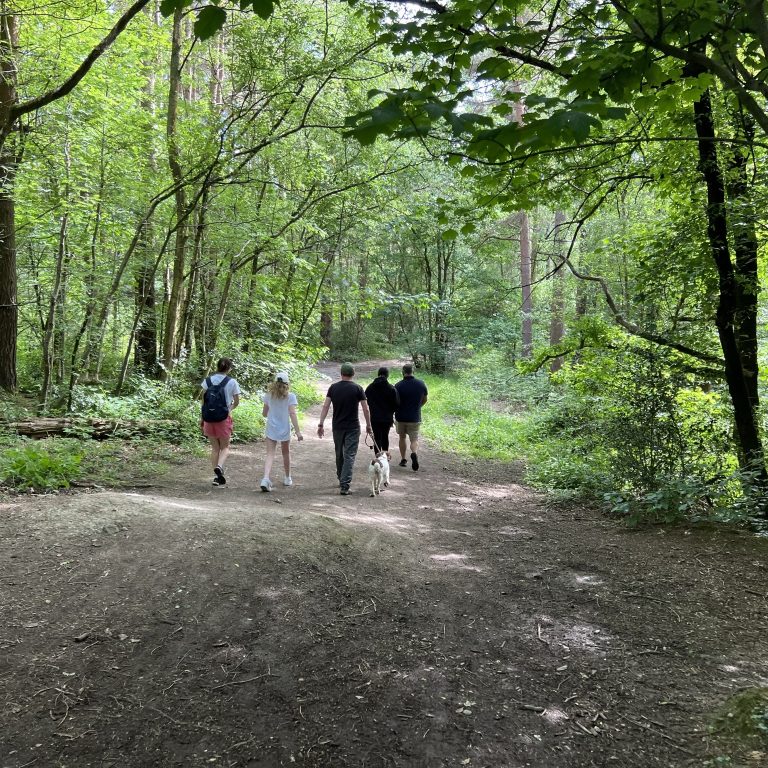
x: 454, y: 620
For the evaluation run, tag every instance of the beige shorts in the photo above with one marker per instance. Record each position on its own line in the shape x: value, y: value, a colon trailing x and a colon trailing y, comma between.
x: 410, y: 428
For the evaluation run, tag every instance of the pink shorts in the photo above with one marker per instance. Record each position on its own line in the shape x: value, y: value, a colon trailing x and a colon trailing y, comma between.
x: 220, y: 429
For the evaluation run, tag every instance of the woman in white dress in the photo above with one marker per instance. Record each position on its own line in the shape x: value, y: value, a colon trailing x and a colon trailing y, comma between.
x: 280, y: 412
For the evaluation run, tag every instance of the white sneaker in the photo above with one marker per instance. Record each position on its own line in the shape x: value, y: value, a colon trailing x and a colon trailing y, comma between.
x: 287, y: 480
x: 266, y: 485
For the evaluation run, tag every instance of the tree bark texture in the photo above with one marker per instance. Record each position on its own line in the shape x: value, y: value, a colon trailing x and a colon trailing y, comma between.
x: 525, y: 285
x: 557, y: 306
x: 9, y: 311
x: 752, y: 454
x: 175, y: 299
x: 741, y: 215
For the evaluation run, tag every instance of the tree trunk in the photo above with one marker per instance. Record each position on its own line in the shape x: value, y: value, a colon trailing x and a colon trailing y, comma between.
x: 146, y: 336
x: 50, y: 322
x: 145, y: 351
x: 525, y: 285
x: 170, y: 339
x: 557, y: 307
x: 186, y: 332
x: 751, y: 447
x: 9, y: 311
x: 741, y: 213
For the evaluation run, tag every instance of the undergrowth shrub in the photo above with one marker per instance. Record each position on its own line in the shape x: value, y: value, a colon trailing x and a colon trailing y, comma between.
x: 632, y: 429
x: 490, y: 372
x: 40, y: 465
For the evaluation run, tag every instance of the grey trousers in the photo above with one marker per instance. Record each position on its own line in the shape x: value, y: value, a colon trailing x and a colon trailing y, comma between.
x: 345, y: 442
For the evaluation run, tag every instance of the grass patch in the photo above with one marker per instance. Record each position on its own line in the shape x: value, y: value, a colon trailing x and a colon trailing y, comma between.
x: 463, y: 420
x: 740, y: 728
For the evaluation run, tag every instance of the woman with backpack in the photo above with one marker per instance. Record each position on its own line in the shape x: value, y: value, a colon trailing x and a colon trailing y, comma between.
x: 280, y: 412
x: 221, y: 395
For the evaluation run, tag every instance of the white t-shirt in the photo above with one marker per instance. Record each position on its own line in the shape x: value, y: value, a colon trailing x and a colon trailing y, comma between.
x: 232, y: 388
x: 278, y: 416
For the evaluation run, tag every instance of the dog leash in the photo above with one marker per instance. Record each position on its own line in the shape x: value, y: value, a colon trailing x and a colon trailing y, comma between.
x: 375, y: 448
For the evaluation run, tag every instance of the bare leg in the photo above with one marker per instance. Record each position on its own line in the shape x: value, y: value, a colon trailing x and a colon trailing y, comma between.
x: 215, y: 450
x: 223, y: 451
x: 414, y: 445
x: 285, y: 447
x: 402, y: 446
x: 270, y: 457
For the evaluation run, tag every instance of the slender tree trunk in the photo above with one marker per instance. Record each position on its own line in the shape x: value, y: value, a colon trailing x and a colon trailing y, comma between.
x: 170, y: 339
x: 525, y: 285
x: 526, y: 319
x: 145, y: 351
x: 187, y: 325
x: 752, y: 454
x: 50, y: 322
x: 9, y: 311
x: 557, y: 307
x: 326, y: 320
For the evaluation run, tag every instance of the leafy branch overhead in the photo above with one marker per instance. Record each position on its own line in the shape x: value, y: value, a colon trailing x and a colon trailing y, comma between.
x: 211, y: 18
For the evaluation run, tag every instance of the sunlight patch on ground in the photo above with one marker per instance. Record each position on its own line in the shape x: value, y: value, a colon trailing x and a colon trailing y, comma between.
x: 585, y: 637
x: 588, y: 580
x: 510, y: 530
x: 163, y: 502
x: 561, y: 636
x: 392, y: 523
x: 456, y: 560
x: 269, y: 594
x: 554, y: 715
x: 495, y: 491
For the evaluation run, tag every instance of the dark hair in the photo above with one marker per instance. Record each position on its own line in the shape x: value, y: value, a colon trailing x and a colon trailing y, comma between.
x: 407, y: 370
x: 383, y: 371
x: 223, y: 365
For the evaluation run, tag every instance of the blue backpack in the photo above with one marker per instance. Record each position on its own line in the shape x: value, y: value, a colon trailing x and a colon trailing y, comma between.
x: 215, y: 406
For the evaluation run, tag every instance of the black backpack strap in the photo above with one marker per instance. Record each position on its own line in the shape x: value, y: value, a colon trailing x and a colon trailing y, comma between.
x: 208, y: 382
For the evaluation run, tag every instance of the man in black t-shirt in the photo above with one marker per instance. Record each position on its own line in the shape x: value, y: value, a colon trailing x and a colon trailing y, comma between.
x: 382, y: 403
x: 413, y: 394
x: 345, y: 395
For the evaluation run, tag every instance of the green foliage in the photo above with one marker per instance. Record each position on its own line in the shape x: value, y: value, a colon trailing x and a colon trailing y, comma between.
x: 169, y: 412
x: 741, y: 724
x: 635, y: 431
x: 41, y: 466
x: 461, y: 419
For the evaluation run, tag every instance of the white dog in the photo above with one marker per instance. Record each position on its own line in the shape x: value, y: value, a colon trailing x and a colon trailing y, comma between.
x: 378, y: 472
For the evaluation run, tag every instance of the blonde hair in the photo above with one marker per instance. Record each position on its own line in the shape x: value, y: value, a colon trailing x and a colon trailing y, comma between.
x: 279, y: 389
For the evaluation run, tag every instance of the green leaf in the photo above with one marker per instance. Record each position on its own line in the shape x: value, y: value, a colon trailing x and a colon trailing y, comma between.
x: 167, y: 7
x: 468, y: 228
x: 263, y: 8
x: 450, y: 234
x: 209, y: 21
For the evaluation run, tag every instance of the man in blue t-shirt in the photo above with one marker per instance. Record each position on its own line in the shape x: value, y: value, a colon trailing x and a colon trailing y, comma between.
x: 413, y: 394
x: 345, y: 396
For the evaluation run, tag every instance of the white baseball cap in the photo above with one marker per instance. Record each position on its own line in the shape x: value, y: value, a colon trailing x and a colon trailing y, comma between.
x: 282, y: 376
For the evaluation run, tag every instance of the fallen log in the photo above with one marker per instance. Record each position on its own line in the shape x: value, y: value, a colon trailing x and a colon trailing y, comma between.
x: 98, y: 429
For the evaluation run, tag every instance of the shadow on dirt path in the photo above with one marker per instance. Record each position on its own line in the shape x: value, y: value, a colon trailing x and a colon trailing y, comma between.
x: 455, y: 620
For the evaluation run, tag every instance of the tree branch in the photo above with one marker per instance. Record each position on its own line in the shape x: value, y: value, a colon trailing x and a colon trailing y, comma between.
x: 69, y: 84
